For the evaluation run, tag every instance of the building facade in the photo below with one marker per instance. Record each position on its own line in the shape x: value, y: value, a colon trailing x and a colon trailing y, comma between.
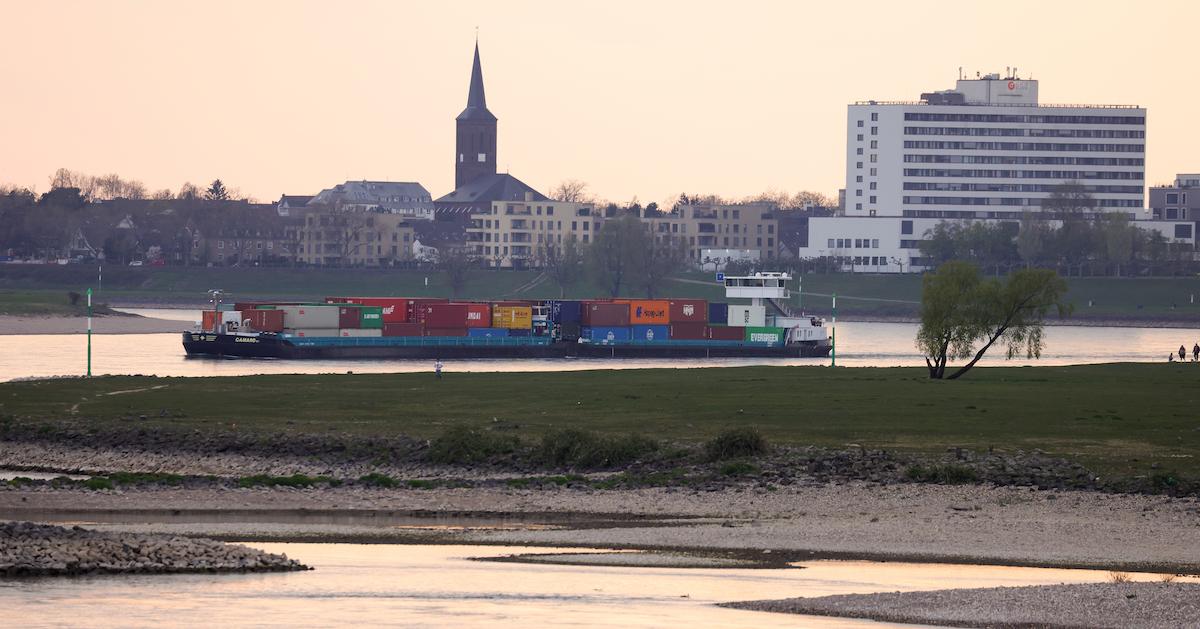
x: 1180, y: 200
x: 355, y: 239
x: 518, y: 234
x: 720, y: 233
x: 990, y: 149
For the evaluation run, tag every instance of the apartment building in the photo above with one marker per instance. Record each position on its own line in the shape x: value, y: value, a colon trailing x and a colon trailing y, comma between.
x: 367, y: 239
x: 718, y: 233
x: 517, y: 234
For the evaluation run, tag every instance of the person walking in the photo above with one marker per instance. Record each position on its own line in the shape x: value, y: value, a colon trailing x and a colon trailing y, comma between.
x: 1182, y: 353
x: 1196, y: 352
x: 437, y: 368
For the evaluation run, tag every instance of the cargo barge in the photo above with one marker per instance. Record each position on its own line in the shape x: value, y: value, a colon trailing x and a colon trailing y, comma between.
x: 423, y: 328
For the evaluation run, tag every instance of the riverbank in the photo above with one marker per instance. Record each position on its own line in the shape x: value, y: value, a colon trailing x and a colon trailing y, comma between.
x: 112, y: 324
x: 35, y: 550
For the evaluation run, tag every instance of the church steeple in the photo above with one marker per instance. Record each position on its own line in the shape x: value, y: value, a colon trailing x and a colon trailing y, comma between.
x: 476, y: 133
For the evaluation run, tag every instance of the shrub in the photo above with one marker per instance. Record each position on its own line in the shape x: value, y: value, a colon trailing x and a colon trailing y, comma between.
x: 418, y: 483
x: 1118, y: 577
x: 462, y: 444
x: 736, y: 443
x: 20, y: 481
x: 942, y: 474
x: 98, y: 482
x: 582, y: 448
x: 140, y: 478
x: 738, y: 468
x: 375, y: 479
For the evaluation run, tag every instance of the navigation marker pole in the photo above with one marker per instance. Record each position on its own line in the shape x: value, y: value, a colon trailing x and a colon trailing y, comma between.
x: 89, y: 349
x: 833, y: 337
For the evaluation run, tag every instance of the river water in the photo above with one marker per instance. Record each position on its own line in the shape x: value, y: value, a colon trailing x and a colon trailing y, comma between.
x: 440, y: 586
x: 860, y: 344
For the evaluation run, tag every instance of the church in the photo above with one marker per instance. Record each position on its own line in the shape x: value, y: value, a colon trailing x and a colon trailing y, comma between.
x: 476, y: 183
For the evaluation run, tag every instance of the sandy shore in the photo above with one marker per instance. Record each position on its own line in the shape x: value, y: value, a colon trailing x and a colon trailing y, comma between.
x: 1101, y: 605
x: 78, y: 325
x: 958, y: 524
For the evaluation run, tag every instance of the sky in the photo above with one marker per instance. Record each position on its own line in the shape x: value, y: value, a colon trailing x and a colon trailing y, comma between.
x: 637, y: 99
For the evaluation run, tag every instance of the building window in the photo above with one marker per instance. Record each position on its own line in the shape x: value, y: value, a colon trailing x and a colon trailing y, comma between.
x: 860, y: 138
x: 906, y: 227
x: 874, y: 158
x: 831, y: 245
x: 460, y: 158
x: 874, y: 130
x: 585, y: 225
x: 549, y: 211
x: 859, y: 150
x: 220, y: 244
x: 858, y: 179
x: 873, y: 184
x: 858, y: 165
x: 874, y: 171
x: 1172, y: 197
x: 482, y: 157
x: 858, y: 192
x: 1172, y: 213
x: 858, y: 206
x: 874, y: 116
x: 1183, y: 231
x: 871, y: 199
x: 737, y: 214
x: 860, y: 123
x: 874, y: 243
x: 874, y: 144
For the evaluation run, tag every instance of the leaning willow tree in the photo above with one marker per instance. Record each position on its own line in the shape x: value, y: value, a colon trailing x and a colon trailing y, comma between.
x: 963, y: 314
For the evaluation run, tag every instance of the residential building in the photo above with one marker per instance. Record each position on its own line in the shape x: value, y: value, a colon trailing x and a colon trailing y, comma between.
x: 989, y: 149
x: 366, y: 239
x: 1180, y: 200
x: 403, y: 198
x: 718, y: 233
x: 517, y: 234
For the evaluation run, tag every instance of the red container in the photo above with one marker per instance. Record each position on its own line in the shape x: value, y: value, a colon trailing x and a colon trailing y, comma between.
x: 689, y: 331
x: 395, y: 309
x: 479, y: 315
x: 605, y: 314
x: 208, y: 320
x: 689, y: 311
x: 263, y: 320
x: 417, y: 310
x: 403, y: 329
x: 446, y: 315
x: 445, y: 331
x: 349, y: 317
x: 722, y: 333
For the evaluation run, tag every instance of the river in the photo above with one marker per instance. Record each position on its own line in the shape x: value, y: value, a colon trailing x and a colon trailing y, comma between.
x: 860, y: 344
x: 428, y: 586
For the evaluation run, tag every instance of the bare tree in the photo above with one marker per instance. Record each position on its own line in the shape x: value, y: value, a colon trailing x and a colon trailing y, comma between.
x: 611, y: 260
x: 571, y: 191
x: 457, y: 263
x: 67, y: 178
x: 564, y: 264
x: 660, y: 257
x: 189, y: 191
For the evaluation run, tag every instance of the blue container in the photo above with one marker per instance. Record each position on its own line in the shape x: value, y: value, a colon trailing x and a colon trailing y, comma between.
x: 651, y: 333
x: 605, y: 334
x: 520, y: 332
x: 488, y: 332
x: 718, y: 313
x: 566, y: 311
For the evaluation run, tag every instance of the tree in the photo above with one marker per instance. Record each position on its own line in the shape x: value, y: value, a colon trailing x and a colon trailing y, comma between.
x: 564, y: 264
x: 457, y: 263
x: 189, y: 192
x: 660, y: 257
x: 610, y: 257
x: 1033, y: 237
x: 1071, y: 203
x: 571, y: 191
x: 216, y: 191
x: 1119, y: 237
x: 960, y: 310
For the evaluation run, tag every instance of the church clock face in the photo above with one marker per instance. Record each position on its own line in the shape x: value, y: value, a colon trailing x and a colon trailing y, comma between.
x: 482, y: 157
x: 460, y: 158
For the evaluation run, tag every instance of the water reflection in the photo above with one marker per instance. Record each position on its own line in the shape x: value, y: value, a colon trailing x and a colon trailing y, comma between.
x: 373, y: 585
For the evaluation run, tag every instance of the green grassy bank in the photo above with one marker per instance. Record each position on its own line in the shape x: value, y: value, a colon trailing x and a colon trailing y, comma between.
x: 1126, y: 420
x: 1144, y: 299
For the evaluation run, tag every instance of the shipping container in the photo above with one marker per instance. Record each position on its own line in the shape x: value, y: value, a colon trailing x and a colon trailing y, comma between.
x: 262, y: 320
x: 765, y: 335
x: 605, y: 314
x: 370, y: 317
x: 658, y: 333
x: 689, y: 331
x: 232, y: 320
x: 311, y: 332
x: 349, y: 317
x: 488, y: 332
x: 718, y: 313
x: 522, y: 332
x: 416, y: 308
x: 722, y: 333
x: 605, y: 334
x: 689, y: 311
x: 649, y: 311
x: 566, y: 311
x: 208, y: 320
x: 446, y: 331
x: 403, y: 329
x: 393, y: 309
x: 310, y: 317
x: 516, y: 317
x: 456, y: 315
x: 747, y: 316
x: 357, y: 332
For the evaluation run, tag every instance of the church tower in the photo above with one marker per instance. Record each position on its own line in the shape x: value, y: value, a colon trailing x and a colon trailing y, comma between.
x: 475, y: 145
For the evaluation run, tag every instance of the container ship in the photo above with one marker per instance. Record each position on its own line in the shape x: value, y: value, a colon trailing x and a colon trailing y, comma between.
x: 418, y: 327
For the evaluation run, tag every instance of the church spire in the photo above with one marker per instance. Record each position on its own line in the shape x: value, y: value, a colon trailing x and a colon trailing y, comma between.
x: 476, y: 100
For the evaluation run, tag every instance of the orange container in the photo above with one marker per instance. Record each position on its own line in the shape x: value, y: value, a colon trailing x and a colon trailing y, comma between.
x: 649, y: 312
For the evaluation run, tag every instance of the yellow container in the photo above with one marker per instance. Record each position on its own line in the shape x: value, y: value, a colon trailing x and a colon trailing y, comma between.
x: 512, y: 317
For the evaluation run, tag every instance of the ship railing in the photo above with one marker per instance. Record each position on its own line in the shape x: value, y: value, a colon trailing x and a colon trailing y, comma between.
x: 420, y: 341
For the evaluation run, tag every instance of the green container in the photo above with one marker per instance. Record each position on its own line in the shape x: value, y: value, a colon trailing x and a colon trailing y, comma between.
x: 370, y: 316
x: 765, y: 335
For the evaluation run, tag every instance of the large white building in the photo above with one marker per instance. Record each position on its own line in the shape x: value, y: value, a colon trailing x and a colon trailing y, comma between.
x: 986, y: 150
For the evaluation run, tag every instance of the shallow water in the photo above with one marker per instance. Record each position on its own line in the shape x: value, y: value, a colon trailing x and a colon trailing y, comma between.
x: 427, y: 586
x: 860, y: 344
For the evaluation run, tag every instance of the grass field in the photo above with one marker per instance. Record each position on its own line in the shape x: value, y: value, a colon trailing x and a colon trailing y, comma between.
x: 1117, y: 419
x: 859, y: 295
x: 45, y: 302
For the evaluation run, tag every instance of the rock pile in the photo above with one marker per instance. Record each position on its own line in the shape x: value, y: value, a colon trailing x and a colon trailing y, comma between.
x: 28, y: 549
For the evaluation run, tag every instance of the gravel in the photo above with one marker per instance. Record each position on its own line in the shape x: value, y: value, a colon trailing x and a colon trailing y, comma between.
x: 1100, y: 605
x: 28, y: 549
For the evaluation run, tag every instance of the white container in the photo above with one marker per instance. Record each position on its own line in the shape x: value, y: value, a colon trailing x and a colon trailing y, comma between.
x: 360, y: 332
x: 310, y: 317
x: 232, y: 320
x: 309, y: 333
x: 747, y: 316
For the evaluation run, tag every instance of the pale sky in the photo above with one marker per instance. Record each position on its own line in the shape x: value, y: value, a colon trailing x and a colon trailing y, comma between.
x: 645, y: 99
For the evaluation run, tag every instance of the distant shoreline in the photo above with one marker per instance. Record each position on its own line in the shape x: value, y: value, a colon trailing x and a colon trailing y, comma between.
x: 22, y: 325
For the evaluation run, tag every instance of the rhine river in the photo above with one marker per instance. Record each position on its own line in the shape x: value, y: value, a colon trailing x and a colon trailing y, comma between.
x: 860, y: 344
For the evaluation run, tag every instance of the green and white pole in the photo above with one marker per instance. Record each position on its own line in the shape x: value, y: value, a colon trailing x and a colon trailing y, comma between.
x: 833, y: 336
x: 89, y: 349
x: 800, y: 294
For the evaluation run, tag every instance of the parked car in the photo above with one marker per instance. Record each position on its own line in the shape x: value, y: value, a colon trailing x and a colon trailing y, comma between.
x: 135, y: 263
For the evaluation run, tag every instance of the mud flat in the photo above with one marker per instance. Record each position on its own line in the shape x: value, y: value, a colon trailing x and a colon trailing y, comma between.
x: 1145, y: 605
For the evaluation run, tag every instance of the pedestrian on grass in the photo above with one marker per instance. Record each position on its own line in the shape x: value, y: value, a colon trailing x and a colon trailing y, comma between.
x: 1182, y: 353
x: 1196, y: 352
x: 437, y: 368
x: 1171, y: 357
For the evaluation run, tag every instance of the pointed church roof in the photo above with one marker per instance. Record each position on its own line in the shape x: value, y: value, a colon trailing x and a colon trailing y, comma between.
x: 476, y: 100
